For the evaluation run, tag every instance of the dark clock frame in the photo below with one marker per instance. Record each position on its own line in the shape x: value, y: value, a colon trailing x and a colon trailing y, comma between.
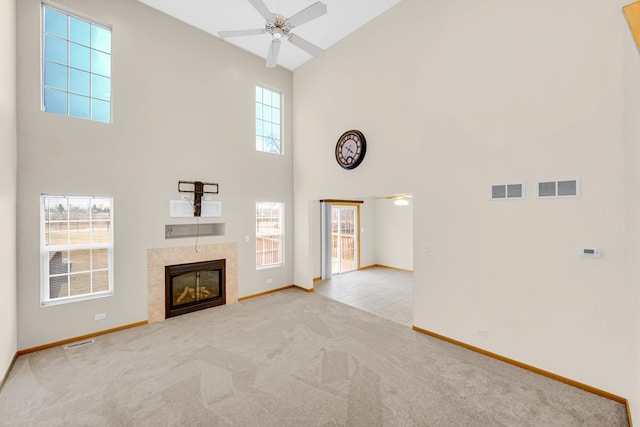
x: 354, y: 135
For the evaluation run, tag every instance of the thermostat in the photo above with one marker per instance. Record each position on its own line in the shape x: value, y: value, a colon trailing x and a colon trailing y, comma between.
x: 590, y: 252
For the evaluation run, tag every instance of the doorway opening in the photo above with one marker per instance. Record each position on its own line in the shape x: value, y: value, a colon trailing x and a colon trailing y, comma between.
x: 345, y: 238
x: 380, y: 267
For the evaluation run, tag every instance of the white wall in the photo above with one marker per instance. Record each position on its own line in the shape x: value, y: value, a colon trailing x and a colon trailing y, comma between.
x: 368, y: 238
x: 183, y: 108
x: 632, y: 169
x: 8, y: 164
x: 394, y: 233
x: 454, y: 96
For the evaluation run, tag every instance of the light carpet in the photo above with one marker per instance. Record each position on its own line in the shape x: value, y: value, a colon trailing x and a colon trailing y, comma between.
x: 286, y: 359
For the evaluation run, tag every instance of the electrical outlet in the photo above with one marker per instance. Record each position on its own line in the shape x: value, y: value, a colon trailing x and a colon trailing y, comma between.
x: 101, y: 316
x: 269, y: 280
x: 483, y: 333
x: 426, y: 247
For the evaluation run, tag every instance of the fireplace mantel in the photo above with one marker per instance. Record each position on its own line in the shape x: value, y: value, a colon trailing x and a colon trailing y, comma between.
x: 159, y: 258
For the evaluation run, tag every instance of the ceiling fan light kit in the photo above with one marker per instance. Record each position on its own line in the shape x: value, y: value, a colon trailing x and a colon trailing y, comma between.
x: 280, y: 27
x: 398, y: 199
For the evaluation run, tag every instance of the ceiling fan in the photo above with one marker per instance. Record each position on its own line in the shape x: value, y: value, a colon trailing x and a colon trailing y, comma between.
x: 398, y: 199
x: 278, y: 27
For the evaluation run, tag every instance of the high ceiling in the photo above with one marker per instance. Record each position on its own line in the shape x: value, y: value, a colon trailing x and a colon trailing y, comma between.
x: 342, y: 18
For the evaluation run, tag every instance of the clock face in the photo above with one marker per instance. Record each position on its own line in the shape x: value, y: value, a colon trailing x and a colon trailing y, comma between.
x: 350, y: 149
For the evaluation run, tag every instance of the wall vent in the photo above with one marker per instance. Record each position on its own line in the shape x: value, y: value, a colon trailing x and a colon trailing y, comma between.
x: 79, y: 344
x: 507, y: 191
x: 555, y: 189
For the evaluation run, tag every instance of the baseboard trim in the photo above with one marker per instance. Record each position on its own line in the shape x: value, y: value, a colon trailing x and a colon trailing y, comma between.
x: 274, y: 291
x: 628, y: 412
x: 310, y: 291
x: 80, y: 338
x: 6, y: 374
x: 533, y: 369
x: 317, y: 279
x: 385, y: 266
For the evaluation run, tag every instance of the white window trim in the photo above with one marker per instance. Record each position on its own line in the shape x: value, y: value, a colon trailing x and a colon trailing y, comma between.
x: 281, y: 235
x: 91, y: 21
x: 45, y: 300
x: 282, y: 127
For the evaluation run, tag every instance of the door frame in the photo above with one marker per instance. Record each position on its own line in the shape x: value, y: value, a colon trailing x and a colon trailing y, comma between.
x: 357, y: 228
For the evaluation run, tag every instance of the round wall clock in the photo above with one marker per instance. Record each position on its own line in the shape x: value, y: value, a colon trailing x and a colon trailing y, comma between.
x: 350, y: 149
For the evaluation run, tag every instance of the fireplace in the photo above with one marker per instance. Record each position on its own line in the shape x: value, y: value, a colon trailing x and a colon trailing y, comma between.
x: 194, y: 286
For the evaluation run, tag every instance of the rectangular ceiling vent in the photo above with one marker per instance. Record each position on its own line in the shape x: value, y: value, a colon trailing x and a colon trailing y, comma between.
x: 555, y: 189
x: 507, y: 192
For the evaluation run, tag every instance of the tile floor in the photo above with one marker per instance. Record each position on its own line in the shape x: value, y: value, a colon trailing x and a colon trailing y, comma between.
x: 378, y: 290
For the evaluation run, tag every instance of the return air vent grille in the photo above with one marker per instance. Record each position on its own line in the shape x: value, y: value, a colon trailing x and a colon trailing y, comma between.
x: 79, y: 344
x: 507, y: 191
x: 554, y: 189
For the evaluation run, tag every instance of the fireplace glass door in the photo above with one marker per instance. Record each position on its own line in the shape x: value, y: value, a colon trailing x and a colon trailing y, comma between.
x: 194, y: 286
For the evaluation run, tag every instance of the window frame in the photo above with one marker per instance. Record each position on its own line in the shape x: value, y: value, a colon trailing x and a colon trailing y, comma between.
x: 68, y: 92
x: 257, y: 135
x: 45, y: 276
x: 281, y: 236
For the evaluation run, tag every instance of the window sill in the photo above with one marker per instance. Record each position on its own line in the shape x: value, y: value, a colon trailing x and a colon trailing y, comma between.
x: 267, y: 267
x: 75, y: 299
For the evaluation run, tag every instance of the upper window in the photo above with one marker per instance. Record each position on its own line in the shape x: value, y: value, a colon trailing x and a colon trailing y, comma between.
x: 76, y: 250
x: 269, y: 233
x: 268, y: 120
x: 76, y: 66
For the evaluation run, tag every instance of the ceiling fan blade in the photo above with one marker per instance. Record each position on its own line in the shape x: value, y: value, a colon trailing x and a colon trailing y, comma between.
x: 272, y: 58
x: 312, y: 12
x: 238, y: 33
x: 262, y: 9
x: 307, y: 46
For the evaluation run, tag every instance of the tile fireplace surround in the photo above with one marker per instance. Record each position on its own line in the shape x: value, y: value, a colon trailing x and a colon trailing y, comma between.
x: 157, y: 259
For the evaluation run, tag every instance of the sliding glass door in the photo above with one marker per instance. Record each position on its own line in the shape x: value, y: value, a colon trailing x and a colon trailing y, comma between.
x: 344, y: 233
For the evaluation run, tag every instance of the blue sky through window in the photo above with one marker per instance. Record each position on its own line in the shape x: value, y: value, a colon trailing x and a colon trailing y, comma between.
x: 268, y: 113
x: 76, y: 67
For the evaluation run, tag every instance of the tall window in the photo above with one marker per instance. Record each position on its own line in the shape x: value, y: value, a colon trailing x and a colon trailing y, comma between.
x: 268, y: 121
x: 76, y: 66
x: 269, y: 234
x: 76, y: 251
